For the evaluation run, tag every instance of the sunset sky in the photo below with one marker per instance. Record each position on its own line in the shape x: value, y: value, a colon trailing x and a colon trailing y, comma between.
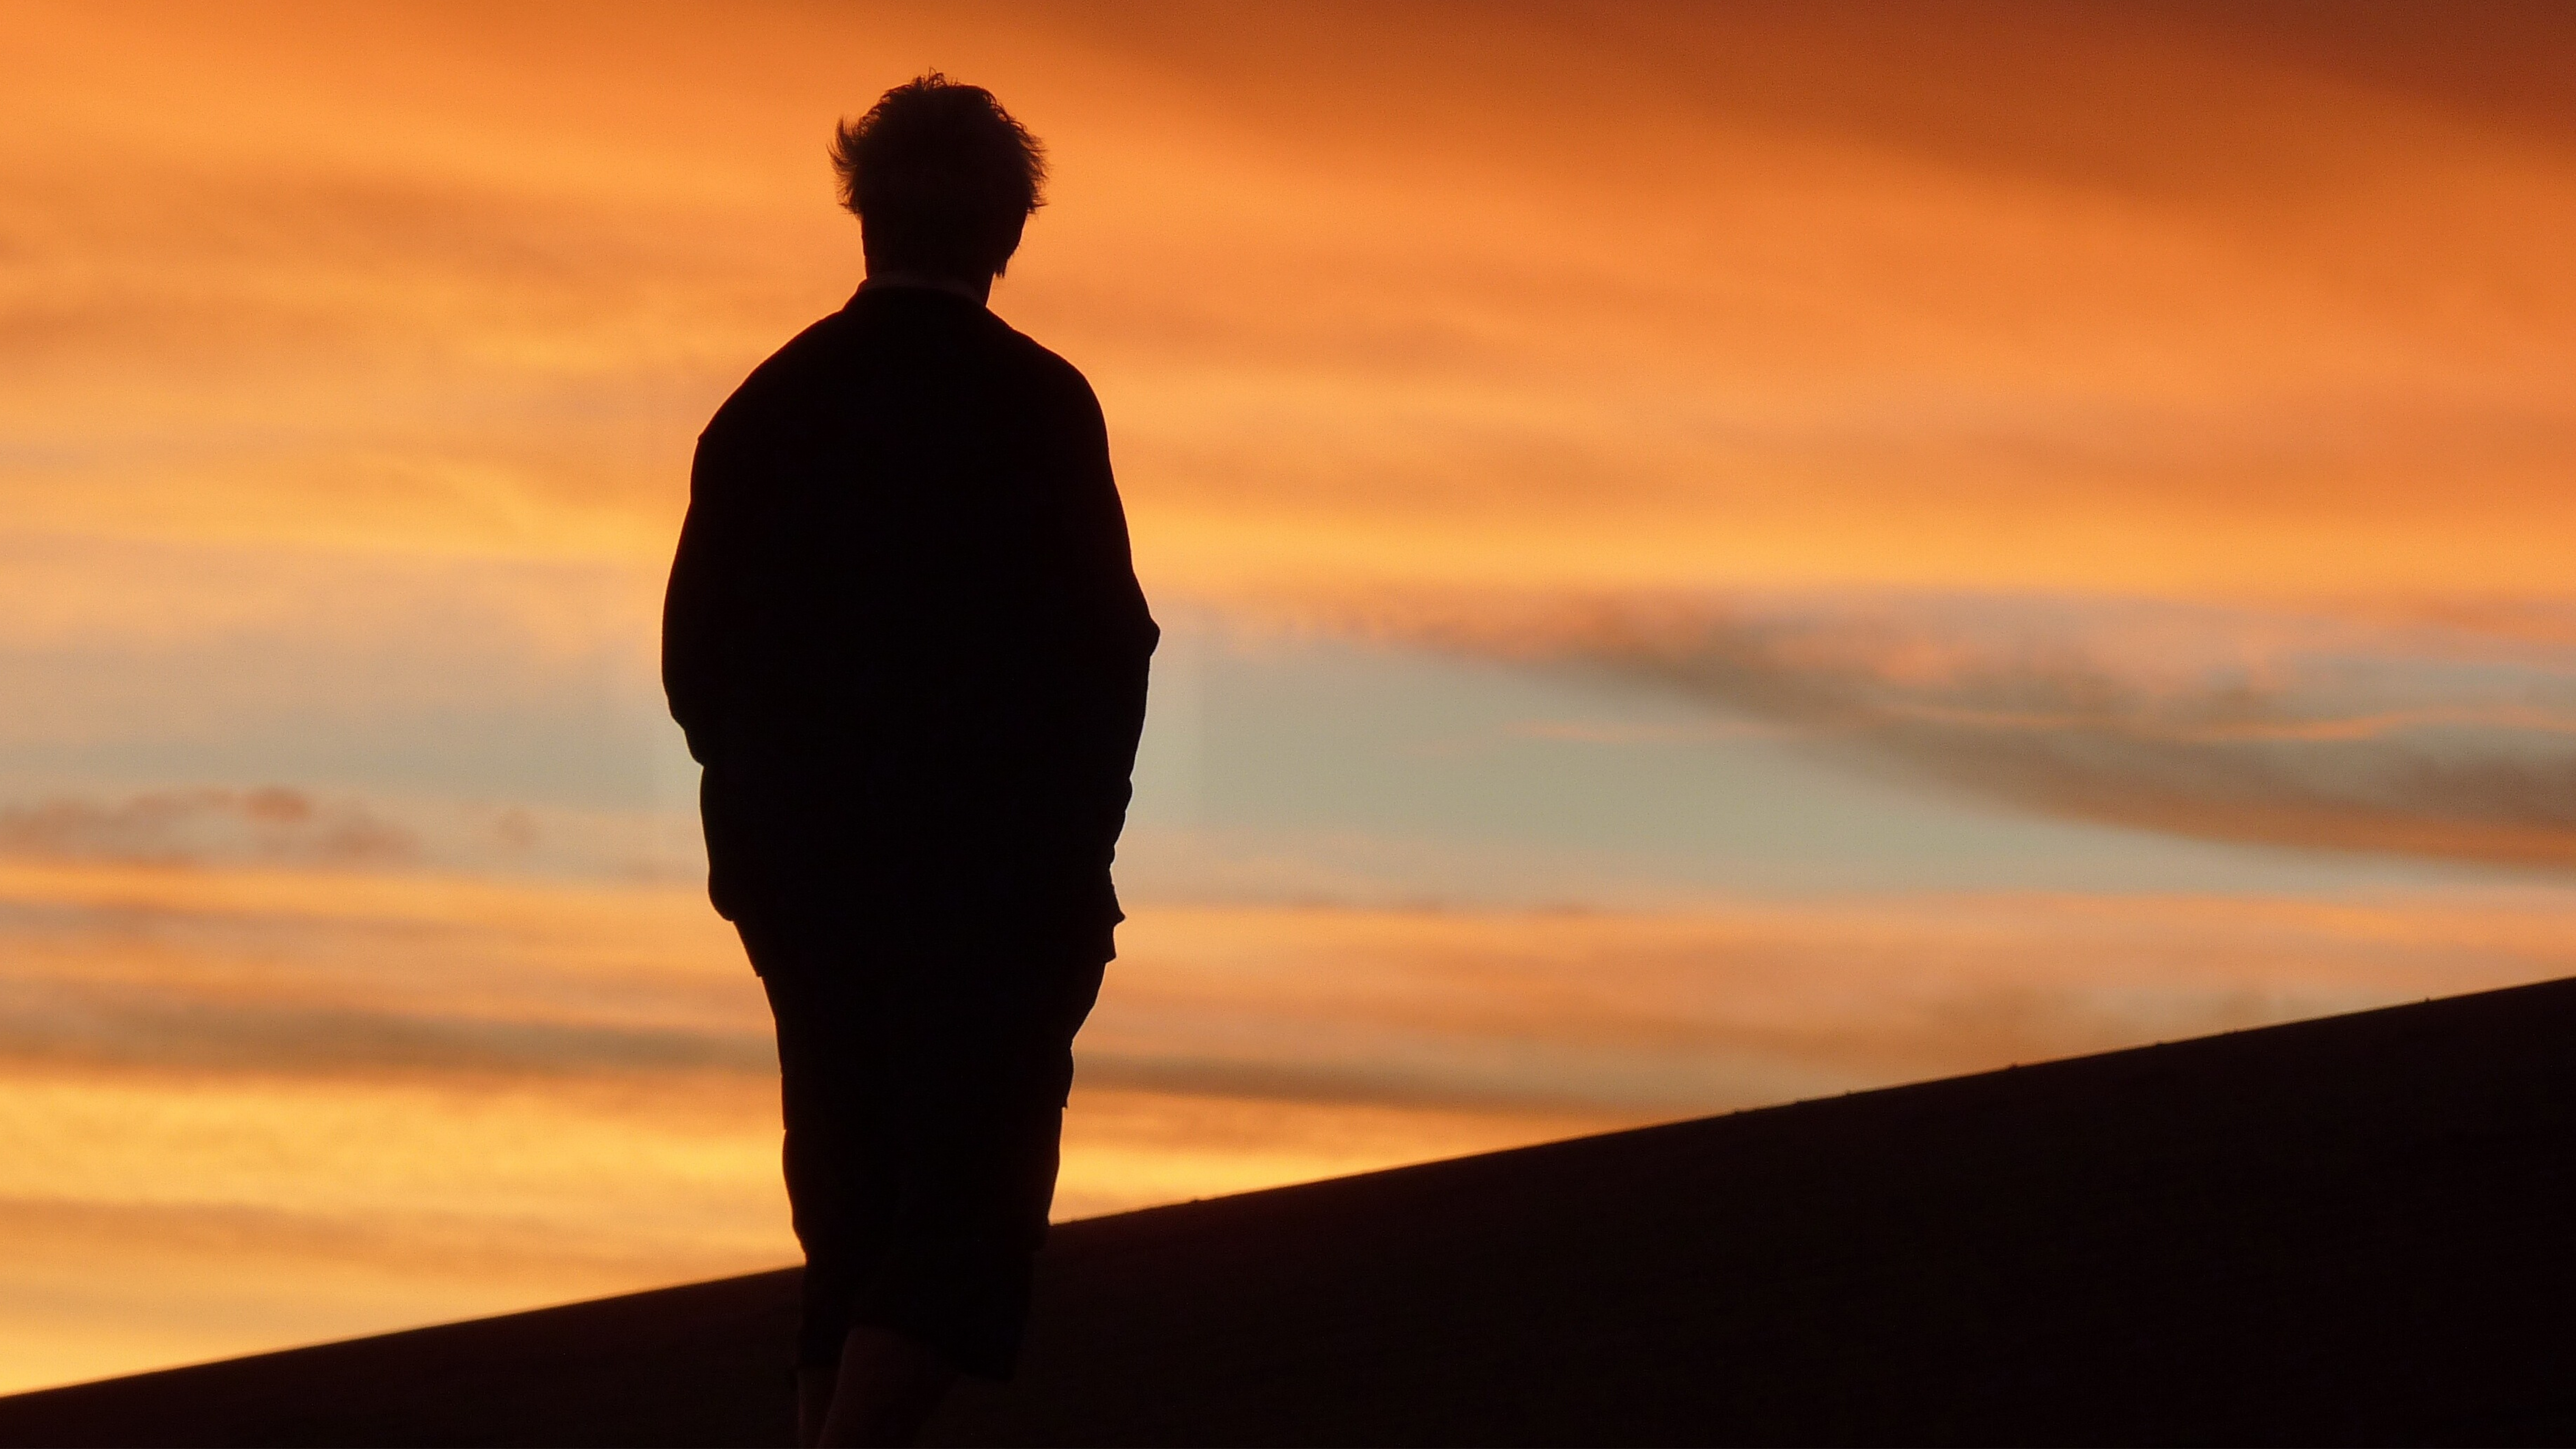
x: 1709, y: 555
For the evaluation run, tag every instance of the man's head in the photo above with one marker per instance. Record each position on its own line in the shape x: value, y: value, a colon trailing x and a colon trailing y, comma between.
x: 941, y: 179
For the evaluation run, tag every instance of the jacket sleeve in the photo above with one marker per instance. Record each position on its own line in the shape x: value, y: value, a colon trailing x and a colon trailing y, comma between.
x: 1111, y: 639
x: 697, y: 606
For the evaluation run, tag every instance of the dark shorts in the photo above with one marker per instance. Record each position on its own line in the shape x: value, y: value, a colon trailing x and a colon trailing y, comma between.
x: 924, y: 1095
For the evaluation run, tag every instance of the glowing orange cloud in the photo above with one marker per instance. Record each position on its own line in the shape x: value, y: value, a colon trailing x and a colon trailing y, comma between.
x: 2155, y: 299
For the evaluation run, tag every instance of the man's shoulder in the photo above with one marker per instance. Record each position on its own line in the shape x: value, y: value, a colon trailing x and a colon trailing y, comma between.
x: 822, y: 359
x: 1060, y: 381
x: 786, y: 375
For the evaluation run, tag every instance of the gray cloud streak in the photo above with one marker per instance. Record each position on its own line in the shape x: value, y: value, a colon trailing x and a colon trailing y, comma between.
x: 2417, y: 739
x: 61, y: 1025
x: 170, y: 827
x: 277, y: 826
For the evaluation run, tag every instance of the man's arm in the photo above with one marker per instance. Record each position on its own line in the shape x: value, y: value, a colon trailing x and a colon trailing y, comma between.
x: 697, y: 605
x: 1109, y: 637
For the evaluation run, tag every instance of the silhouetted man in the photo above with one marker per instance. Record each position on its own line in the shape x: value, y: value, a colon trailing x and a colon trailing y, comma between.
x: 906, y: 642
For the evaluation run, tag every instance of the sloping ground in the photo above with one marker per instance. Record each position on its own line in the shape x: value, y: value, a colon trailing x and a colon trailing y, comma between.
x: 2357, y: 1230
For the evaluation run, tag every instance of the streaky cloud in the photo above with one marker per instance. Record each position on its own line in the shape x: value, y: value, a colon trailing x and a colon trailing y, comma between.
x: 272, y: 824
x: 178, y: 1031
x: 2416, y: 732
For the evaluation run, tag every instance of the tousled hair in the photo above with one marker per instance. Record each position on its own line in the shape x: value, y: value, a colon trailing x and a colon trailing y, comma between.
x: 940, y: 177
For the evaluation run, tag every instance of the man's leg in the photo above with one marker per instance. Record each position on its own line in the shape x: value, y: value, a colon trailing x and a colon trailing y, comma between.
x: 963, y: 1139
x: 979, y: 1136
x: 814, y: 1385
x: 833, y: 1152
x: 887, y: 1387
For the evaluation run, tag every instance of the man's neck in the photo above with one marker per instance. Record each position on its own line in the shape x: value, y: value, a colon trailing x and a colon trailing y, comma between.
x: 880, y: 278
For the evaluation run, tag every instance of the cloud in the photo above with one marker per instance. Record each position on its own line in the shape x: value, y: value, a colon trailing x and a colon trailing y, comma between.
x: 2415, y: 733
x: 1685, y: 294
x: 330, y: 976
x: 1742, y: 1003
x: 176, y: 1030
x: 195, y: 827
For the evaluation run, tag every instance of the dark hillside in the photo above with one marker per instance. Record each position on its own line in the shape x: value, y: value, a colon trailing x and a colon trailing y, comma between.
x: 2355, y: 1230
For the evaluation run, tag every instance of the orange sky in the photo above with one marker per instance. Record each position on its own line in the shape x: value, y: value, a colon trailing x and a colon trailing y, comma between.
x: 1710, y: 554
x: 2139, y: 299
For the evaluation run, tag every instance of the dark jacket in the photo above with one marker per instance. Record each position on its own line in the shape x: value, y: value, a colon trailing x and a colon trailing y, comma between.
x: 904, y: 634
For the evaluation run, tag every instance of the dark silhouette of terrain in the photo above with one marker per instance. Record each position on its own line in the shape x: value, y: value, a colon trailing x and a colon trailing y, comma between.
x: 2354, y: 1230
